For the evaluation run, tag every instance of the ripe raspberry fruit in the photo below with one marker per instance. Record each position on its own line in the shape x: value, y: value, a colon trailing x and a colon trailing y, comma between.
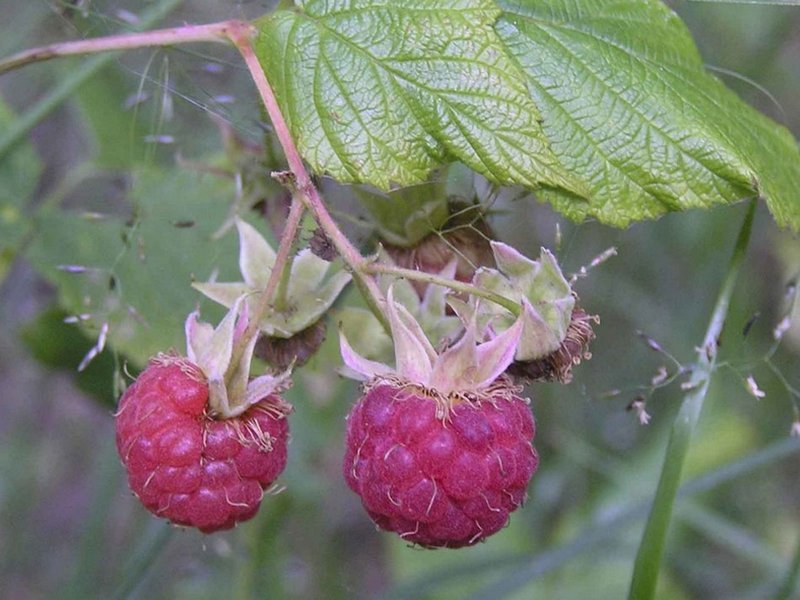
x: 439, y: 448
x: 446, y: 480
x: 186, y: 465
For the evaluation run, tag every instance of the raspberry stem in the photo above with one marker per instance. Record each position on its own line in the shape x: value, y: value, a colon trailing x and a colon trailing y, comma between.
x: 453, y: 284
x: 276, y: 275
x: 212, y: 32
x: 305, y: 189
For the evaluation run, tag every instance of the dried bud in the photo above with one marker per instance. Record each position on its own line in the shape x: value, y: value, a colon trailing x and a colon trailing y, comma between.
x: 557, y: 366
x: 321, y: 245
x: 283, y: 352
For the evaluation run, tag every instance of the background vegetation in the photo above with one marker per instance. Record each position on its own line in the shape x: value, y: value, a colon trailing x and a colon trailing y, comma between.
x: 68, y: 525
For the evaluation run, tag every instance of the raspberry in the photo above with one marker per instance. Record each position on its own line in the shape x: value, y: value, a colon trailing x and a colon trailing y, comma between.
x: 465, y: 237
x: 439, y: 480
x: 188, y: 467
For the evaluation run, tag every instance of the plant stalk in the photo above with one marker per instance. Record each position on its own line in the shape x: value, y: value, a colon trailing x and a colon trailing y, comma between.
x: 213, y: 32
x: 242, y: 39
x: 279, y: 268
x: 143, y: 559
x: 453, y: 284
x: 651, y: 549
x: 282, y: 291
x: 791, y: 582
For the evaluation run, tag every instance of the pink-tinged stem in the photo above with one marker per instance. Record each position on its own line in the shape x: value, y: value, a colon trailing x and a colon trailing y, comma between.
x: 213, y: 32
x: 282, y: 263
x: 242, y: 38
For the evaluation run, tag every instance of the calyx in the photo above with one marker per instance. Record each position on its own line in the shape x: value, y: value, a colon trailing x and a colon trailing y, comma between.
x: 540, y: 288
x: 231, y: 391
x: 468, y: 370
x: 308, y: 295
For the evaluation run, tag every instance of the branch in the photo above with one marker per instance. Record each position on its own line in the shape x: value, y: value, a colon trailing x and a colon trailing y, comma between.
x: 214, y: 32
x: 281, y: 265
x: 453, y: 284
x: 69, y: 83
x: 242, y: 38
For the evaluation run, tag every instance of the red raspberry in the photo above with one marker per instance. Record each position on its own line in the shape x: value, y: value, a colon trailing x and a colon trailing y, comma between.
x: 188, y: 467
x: 436, y: 481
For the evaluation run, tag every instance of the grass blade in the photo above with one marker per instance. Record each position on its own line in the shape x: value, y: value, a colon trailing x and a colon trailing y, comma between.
x: 791, y: 583
x: 143, y: 559
x: 651, y: 550
x: 733, y: 537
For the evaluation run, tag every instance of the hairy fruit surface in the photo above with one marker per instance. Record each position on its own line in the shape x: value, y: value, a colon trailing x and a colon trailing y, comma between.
x: 188, y: 467
x: 439, y: 479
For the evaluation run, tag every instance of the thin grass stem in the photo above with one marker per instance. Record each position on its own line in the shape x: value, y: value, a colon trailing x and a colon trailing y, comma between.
x: 651, y: 550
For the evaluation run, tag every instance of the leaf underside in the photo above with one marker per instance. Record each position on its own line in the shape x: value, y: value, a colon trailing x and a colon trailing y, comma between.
x: 603, y: 105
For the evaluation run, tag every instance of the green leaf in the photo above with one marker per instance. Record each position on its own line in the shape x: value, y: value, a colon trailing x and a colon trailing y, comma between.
x: 63, y: 346
x: 137, y: 265
x: 628, y: 106
x: 116, y: 132
x: 19, y: 177
x: 381, y: 93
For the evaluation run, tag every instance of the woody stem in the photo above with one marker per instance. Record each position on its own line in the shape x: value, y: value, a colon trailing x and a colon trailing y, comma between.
x: 213, y: 32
